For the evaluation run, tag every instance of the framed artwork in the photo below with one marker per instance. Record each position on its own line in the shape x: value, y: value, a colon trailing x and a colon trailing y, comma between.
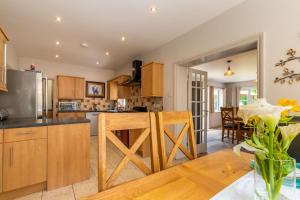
x: 95, y: 89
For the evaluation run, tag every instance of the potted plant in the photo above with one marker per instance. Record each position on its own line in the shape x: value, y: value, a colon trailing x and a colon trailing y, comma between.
x: 270, y: 141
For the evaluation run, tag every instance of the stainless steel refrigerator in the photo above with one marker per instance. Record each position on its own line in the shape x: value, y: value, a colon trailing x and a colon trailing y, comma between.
x: 26, y: 96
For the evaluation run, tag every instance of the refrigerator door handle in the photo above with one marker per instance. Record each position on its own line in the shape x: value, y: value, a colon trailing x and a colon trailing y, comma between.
x: 45, y: 98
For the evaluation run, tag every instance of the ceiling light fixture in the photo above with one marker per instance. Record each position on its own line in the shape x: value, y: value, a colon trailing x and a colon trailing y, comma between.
x: 123, y: 38
x: 153, y: 9
x: 229, y: 72
x: 97, y: 62
x: 56, y: 56
x: 57, y: 43
x: 84, y: 44
x: 58, y: 19
x: 107, y: 53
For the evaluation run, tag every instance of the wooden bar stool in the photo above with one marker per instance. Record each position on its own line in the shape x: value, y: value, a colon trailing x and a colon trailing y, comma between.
x: 109, y: 122
x: 166, y: 119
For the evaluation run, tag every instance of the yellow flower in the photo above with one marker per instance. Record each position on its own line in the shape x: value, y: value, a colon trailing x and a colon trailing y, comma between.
x: 289, y: 102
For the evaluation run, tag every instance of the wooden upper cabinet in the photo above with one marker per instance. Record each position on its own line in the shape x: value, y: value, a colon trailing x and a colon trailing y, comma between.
x: 70, y: 87
x: 152, y: 80
x: 3, y: 41
x: 115, y: 90
x: 79, y: 88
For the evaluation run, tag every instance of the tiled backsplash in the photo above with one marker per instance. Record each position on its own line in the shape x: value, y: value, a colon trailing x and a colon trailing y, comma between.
x: 102, y: 104
x: 152, y: 103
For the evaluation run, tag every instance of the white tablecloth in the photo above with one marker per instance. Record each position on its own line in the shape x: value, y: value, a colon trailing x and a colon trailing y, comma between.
x: 241, y: 189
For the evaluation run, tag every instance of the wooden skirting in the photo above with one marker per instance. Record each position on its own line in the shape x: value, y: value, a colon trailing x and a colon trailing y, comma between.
x: 23, y: 191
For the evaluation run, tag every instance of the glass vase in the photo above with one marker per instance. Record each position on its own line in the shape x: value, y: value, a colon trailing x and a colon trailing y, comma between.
x: 275, y: 179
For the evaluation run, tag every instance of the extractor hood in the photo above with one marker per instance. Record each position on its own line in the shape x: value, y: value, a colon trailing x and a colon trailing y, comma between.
x: 136, y: 74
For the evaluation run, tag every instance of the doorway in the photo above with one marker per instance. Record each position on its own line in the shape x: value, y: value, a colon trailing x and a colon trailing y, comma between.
x: 200, y: 106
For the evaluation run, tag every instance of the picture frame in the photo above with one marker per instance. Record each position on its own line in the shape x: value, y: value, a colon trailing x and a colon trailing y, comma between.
x: 95, y: 89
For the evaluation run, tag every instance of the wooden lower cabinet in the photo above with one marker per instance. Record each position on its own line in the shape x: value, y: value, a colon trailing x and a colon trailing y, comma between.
x: 66, y: 115
x: 24, y: 163
x: 1, y: 164
x: 68, y: 154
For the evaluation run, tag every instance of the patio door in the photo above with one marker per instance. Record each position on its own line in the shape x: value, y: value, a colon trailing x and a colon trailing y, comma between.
x: 198, y: 105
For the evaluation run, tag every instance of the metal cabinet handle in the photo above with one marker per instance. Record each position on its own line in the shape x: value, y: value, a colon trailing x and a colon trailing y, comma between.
x: 11, y: 156
x: 24, y: 133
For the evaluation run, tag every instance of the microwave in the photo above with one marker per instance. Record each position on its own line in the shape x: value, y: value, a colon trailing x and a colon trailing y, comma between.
x: 69, y: 106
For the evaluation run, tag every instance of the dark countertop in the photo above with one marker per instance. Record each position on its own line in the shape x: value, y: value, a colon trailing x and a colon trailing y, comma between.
x: 21, y: 123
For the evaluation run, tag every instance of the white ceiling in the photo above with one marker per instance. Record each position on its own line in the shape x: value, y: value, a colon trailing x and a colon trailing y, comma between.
x: 32, y: 29
x: 244, y: 66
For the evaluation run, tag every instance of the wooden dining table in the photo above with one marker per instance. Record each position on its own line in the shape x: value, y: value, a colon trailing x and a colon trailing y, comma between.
x: 201, y: 178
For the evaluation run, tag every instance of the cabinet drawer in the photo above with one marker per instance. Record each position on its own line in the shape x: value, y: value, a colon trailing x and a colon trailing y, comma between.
x: 19, y: 134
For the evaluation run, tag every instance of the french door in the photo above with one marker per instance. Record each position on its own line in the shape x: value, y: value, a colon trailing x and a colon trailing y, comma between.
x: 198, y: 105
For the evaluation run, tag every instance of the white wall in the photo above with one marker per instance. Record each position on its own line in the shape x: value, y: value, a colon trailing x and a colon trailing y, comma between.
x: 277, y: 19
x: 52, y: 69
x: 11, y: 58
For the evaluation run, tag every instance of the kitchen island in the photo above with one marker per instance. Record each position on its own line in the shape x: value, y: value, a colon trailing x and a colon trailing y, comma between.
x: 42, y: 154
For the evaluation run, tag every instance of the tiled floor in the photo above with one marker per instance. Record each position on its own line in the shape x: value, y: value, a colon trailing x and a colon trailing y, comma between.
x: 214, y: 141
x: 90, y: 186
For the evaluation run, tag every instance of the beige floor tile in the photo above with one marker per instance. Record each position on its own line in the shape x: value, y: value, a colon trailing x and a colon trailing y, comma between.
x: 64, y: 193
x: 34, y: 196
x: 86, y: 188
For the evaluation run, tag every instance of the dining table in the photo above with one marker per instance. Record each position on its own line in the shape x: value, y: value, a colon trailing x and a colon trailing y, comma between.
x: 198, y: 179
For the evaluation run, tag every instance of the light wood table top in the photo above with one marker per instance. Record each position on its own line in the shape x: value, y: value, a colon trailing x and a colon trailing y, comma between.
x: 201, y: 178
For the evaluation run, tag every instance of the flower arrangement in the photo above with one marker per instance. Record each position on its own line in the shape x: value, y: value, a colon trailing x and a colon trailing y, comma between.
x: 270, y: 141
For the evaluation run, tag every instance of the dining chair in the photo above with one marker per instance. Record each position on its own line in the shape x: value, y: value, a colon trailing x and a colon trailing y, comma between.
x: 165, y: 119
x: 109, y: 122
x: 243, y: 132
x: 228, y: 122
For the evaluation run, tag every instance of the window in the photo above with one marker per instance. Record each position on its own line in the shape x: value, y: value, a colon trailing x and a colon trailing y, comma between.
x: 218, y: 99
x: 247, y: 95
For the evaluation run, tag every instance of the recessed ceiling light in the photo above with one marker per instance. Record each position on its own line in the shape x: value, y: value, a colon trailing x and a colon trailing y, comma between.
x: 84, y: 44
x: 153, y: 9
x: 97, y: 62
x: 123, y: 38
x: 57, y: 43
x: 107, y: 53
x: 56, y: 56
x: 58, y: 19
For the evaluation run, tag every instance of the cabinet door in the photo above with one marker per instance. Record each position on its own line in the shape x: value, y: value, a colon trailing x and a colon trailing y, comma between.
x: 147, y: 77
x: 113, y: 90
x: 79, y: 88
x: 80, y: 114
x: 1, y: 163
x: 66, y: 87
x: 152, y: 80
x: 69, y: 153
x: 123, y: 92
x: 24, y: 163
x: 67, y: 115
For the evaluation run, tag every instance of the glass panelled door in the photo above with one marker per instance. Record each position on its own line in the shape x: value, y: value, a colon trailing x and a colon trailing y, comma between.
x: 197, y: 104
